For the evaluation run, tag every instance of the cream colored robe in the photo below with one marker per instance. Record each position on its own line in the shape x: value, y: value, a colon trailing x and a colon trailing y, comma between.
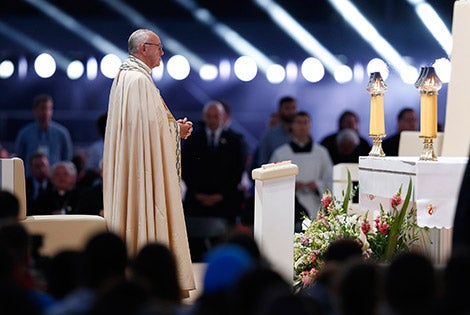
x: 141, y: 168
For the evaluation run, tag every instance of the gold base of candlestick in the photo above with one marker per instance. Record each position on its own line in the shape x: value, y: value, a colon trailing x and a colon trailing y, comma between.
x: 428, y: 150
x: 377, y: 145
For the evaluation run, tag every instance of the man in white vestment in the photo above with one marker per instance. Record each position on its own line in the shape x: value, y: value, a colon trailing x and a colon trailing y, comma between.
x: 314, y: 162
x: 141, y: 159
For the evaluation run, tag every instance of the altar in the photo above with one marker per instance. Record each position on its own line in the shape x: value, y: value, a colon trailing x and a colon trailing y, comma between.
x: 436, y: 185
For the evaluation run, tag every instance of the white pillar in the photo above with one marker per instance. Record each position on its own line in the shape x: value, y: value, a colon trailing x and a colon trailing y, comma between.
x: 274, y: 214
x: 457, y: 128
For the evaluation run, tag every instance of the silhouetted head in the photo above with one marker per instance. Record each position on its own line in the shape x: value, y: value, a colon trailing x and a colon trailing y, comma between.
x: 9, y: 205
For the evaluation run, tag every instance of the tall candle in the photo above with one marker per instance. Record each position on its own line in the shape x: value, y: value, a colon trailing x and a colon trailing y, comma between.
x: 428, y: 121
x: 377, y: 120
x: 428, y: 83
x: 376, y: 88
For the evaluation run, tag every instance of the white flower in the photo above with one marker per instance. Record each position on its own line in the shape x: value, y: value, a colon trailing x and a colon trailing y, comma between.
x: 306, y: 223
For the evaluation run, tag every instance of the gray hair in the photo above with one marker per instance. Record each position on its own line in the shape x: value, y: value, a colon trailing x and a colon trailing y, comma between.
x: 137, y: 38
x: 69, y: 166
x: 219, y: 105
x: 348, y: 135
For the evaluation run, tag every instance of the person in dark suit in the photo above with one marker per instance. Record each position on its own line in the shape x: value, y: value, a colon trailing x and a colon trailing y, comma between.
x: 407, y: 119
x: 347, y: 120
x: 213, y: 160
x: 63, y: 198
x: 38, y: 182
x: 91, y: 198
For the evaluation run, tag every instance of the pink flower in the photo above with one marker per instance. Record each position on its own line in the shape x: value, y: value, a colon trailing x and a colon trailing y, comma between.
x: 308, y: 276
x: 326, y: 200
x: 313, y: 257
x: 305, y: 240
x: 365, y: 227
x: 396, y: 200
x: 382, y: 226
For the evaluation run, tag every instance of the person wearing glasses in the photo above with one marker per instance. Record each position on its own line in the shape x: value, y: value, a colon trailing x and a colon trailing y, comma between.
x: 141, y: 158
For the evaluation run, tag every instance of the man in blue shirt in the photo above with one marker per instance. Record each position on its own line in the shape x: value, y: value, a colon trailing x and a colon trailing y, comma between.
x: 44, y: 135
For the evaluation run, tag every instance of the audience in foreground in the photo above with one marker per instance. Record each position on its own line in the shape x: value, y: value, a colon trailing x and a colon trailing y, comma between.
x: 238, y: 280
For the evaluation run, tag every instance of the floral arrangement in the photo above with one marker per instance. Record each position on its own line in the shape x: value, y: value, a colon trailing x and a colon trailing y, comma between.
x: 388, y: 233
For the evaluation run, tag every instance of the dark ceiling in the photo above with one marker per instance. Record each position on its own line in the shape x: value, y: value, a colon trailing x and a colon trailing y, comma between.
x: 395, y: 20
x: 319, y: 10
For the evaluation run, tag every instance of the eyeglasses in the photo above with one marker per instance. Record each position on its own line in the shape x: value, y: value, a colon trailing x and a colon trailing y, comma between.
x: 160, y: 46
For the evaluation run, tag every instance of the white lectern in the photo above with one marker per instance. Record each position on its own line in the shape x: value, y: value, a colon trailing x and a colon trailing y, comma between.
x: 274, y: 214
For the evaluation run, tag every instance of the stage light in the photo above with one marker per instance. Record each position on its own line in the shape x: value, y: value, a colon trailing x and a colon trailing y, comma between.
x: 276, y: 74
x: 33, y: 46
x: 157, y: 72
x: 312, y: 70
x: 231, y: 37
x: 75, y: 70
x: 245, y: 68
x: 139, y: 20
x: 292, y: 71
x: 73, y: 25
x: 91, y: 68
x: 22, y: 67
x: 6, y: 69
x: 225, y: 69
x: 409, y: 75
x: 208, y: 72
x: 378, y: 65
x: 178, y: 67
x: 343, y: 74
x: 370, y: 34
x: 442, y: 67
x: 299, y: 34
x: 433, y: 23
x: 109, y: 65
x: 45, y: 65
x: 358, y: 71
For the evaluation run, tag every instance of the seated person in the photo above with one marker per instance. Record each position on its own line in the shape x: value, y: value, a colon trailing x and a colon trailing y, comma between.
x: 407, y: 120
x: 338, y: 153
x: 91, y: 198
x: 38, y: 181
x: 63, y: 198
x: 9, y: 207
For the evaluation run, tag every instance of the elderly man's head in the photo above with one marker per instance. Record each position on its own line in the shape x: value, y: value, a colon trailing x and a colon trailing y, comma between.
x: 346, y: 141
x: 213, y: 115
x: 146, y: 46
x: 63, y: 175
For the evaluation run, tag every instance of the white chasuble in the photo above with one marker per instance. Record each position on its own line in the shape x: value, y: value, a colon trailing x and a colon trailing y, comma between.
x: 141, y: 168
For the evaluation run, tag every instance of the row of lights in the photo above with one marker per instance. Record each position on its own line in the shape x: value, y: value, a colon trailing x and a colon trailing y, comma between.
x: 244, y: 68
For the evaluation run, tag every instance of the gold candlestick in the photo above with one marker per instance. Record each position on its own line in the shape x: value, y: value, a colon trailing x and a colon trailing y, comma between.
x: 428, y: 84
x: 376, y: 88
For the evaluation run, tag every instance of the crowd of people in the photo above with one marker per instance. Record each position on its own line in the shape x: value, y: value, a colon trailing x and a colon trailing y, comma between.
x: 58, y: 180
x: 216, y: 161
x: 149, y: 172
x: 102, y: 278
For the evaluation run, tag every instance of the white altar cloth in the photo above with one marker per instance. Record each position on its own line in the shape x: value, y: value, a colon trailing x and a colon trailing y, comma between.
x: 436, y: 185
